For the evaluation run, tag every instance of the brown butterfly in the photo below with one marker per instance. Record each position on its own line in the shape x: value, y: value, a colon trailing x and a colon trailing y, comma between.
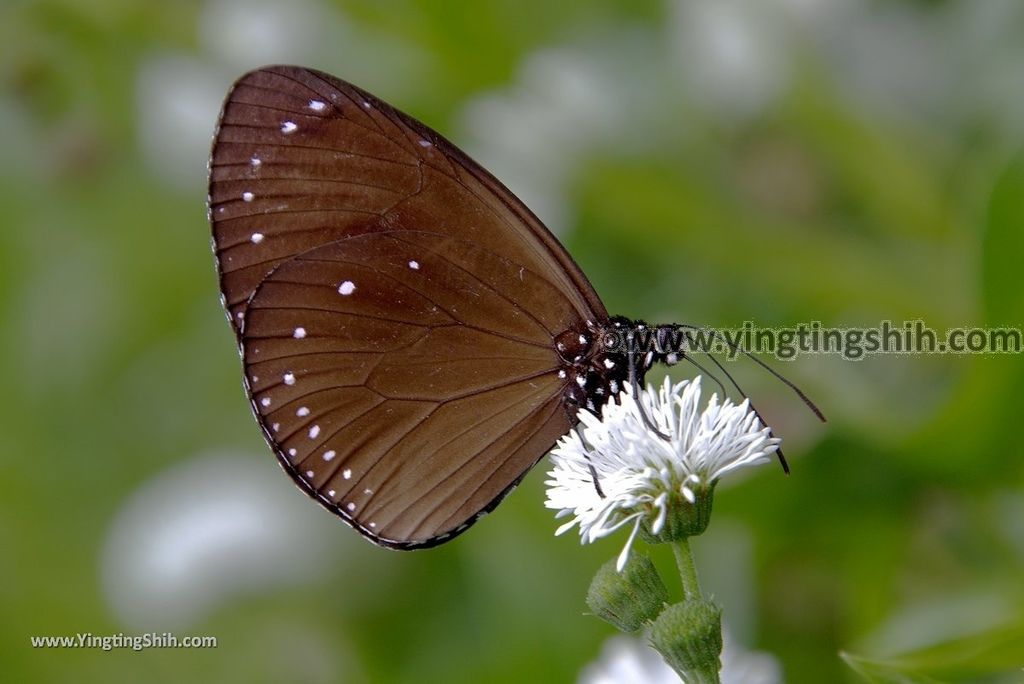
x: 414, y: 339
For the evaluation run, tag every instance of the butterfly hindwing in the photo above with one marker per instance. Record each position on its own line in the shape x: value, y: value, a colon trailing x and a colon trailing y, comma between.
x: 405, y: 379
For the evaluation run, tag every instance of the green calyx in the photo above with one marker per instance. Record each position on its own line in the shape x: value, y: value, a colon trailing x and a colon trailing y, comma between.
x: 630, y: 599
x: 683, y: 519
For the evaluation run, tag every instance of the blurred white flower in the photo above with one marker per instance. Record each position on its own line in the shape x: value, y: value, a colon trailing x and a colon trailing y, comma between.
x: 566, y: 103
x: 245, y: 34
x: 627, y: 660
x: 641, y: 474
x: 178, y: 100
x: 890, y: 58
x: 204, y: 531
x: 733, y: 54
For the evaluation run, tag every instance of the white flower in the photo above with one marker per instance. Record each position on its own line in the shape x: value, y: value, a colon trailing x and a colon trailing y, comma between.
x: 627, y: 660
x: 641, y: 474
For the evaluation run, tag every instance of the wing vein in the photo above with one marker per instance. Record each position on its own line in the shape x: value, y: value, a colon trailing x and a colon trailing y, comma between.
x: 472, y: 456
x: 315, y: 148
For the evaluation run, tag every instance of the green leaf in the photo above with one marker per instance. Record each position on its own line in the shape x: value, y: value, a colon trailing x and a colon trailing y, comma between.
x: 992, y: 654
x: 1003, y: 247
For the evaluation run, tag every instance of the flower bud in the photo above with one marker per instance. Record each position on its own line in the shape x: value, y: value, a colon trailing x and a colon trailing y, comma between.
x: 628, y: 599
x: 689, y: 637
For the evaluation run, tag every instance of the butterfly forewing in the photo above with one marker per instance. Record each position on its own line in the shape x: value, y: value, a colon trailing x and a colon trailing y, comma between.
x: 301, y: 159
x: 406, y: 379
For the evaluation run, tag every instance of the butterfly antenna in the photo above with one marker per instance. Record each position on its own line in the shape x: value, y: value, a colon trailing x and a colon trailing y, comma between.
x: 732, y: 381
x: 706, y: 372
x: 778, y: 376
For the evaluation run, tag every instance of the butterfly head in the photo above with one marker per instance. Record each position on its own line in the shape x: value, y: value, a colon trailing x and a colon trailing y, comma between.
x: 599, y: 361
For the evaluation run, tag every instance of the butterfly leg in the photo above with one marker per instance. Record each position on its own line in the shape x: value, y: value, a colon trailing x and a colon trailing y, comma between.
x: 576, y: 427
x: 593, y: 471
x: 634, y: 380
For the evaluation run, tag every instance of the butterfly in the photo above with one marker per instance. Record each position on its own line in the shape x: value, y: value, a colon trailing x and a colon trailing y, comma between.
x: 413, y: 338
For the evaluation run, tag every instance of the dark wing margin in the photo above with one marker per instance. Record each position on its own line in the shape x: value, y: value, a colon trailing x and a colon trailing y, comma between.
x: 406, y: 380
x: 301, y: 158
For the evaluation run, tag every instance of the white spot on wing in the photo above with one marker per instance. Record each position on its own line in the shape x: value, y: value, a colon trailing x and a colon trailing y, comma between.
x: 425, y: 143
x: 331, y: 492
x: 255, y: 161
x: 561, y: 374
x: 351, y: 507
x: 314, y: 431
x: 289, y: 127
x: 347, y: 288
x: 299, y: 333
x: 302, y: 412
x: 328, y: 455
x: 414, y: 265
x: 256, y: 238
x: 289, y: 378
x: 609, y: 364
x: 292, y: 452
x: 265, y: 401
x: 247, y: 196
x: 317, y: 105
x: 347, y: 473
x: 309, y: 474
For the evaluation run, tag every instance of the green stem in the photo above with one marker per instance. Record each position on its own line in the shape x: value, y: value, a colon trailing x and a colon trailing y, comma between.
x: 687, y: 570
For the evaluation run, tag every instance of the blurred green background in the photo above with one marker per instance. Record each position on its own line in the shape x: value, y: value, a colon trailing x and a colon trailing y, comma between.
x: 779, y: 161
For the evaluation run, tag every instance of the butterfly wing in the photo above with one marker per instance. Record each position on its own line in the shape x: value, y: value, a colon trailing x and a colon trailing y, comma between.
x: 301, y: 159
x: 406, y: 379
x: 407, y: 400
